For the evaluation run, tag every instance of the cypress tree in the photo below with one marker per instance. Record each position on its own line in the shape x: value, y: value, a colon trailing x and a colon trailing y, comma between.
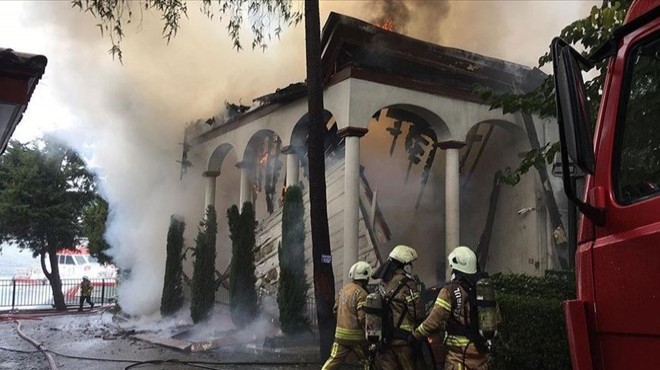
x: 172, y: 299
x: 203, y: 280
x: 242, y: 290
x: 293, y: 286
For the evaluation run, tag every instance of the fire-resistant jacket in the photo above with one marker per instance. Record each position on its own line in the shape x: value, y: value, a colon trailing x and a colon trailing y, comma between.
x: 453, y: 301
x: 350, y: 314
x: 406, y: 302
x: 86, y: 288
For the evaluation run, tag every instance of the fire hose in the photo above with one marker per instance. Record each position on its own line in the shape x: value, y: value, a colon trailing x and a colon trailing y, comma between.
x: 39, y: 346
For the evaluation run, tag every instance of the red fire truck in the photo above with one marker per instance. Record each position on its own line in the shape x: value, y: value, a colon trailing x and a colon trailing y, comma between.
x: 614, y: 322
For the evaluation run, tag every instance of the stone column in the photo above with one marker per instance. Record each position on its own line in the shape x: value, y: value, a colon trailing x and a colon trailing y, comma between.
x: 351, y: 137
x: 209, y: 199
x: 245, y: 191
x: 292, y: 166
x: 452, y: 198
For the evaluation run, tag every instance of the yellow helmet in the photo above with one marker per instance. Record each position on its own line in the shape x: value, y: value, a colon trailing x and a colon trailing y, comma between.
x: 360, y: 271
x: 403, y: 254
x: 463, y: 259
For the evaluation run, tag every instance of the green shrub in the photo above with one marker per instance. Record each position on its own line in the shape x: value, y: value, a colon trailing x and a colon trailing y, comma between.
x: 293, y: 286
x: 242, y: 291
x: 203, y: 280
x: 532, y: 331
x: 559, y: 285
x: 172, y: 298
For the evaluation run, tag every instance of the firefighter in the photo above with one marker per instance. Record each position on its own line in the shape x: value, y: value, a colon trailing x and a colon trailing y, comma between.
x: 349, y: 308
x: 85, y: 293
x: 400, y: 291
x: 454, y: 312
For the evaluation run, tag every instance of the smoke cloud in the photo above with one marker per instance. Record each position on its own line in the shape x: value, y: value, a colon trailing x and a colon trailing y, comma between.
x: 128, y: 120
x: 413, y: 18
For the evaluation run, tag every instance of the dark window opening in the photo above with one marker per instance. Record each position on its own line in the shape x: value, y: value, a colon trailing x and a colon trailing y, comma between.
x: 636, y: 164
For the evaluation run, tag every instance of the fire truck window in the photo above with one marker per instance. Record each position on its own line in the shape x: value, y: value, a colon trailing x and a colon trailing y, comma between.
x: 637, y: 151
x: 60, y: 260
x: 80, y: 260
x: 69, y: 260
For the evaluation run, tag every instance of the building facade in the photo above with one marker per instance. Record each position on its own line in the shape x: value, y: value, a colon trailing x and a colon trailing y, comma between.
x: 413, y: 156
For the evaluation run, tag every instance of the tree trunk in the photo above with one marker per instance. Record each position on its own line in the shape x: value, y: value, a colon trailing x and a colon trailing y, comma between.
x: 54, y: 278
x: 324, y: 280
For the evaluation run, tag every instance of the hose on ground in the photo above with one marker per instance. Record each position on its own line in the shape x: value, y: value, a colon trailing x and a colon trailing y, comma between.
x: 49, y: 357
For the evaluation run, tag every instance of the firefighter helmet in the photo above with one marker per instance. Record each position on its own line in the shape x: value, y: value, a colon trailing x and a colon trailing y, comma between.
x: 403, y: 254
x: 360, y: 271
x: 85, y: 278
x: 463, y: 259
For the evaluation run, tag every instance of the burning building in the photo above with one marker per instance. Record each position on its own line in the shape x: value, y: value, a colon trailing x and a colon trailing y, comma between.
x: 413, y: 157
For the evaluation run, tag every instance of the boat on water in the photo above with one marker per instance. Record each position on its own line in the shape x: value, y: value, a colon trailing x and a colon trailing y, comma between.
x: 72, y: 264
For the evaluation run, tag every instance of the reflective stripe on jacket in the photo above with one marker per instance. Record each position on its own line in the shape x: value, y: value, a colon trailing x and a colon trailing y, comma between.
x: 453, y: 301
x: 350, y: 313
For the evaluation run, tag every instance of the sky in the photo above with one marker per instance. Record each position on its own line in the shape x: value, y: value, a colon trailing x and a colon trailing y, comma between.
x: 127, y: 119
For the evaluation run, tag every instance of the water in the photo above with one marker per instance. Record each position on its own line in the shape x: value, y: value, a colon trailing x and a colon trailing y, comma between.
x: 15, y: 262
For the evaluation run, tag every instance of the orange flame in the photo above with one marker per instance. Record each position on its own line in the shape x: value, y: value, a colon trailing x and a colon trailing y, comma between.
x: 263, y: 158
x: 386, y: 24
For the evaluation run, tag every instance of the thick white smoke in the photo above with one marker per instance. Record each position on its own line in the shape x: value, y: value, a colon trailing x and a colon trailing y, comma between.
x: 128, y: 119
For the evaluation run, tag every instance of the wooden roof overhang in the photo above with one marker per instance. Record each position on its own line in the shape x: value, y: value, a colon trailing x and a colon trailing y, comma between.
x: 19, y: 75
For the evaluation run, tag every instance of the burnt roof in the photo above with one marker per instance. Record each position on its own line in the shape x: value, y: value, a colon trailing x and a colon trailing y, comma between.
x: 285, y: 94
x: 354, y: 48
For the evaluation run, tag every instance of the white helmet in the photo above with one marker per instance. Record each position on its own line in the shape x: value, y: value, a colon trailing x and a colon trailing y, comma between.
x: 403, y: 254
x: 463, y: 259
x: 360, y: 271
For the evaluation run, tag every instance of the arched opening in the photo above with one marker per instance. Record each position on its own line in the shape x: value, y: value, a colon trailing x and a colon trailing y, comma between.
x: 300, y: 134
x: 500, y: 221
x: 218, y: 157
x: 263, y: 161
x: 405, y: 168
x: 222, y: 166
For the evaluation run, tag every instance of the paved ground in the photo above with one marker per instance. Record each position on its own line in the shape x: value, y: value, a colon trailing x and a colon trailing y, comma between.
x: 98, y: 336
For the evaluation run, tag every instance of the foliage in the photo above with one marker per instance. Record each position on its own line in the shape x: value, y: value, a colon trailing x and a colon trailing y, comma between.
x: 242, y: 290
x: 590, y: 32
x: 532, y: 319
x: 555, y: 285
x: 266, y: 18
x: 44, y: 187
x: 203, y: 279
x: 530, y: 324
x: 94, y: 219
x: 172, y: 298
x: 293, y: 286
